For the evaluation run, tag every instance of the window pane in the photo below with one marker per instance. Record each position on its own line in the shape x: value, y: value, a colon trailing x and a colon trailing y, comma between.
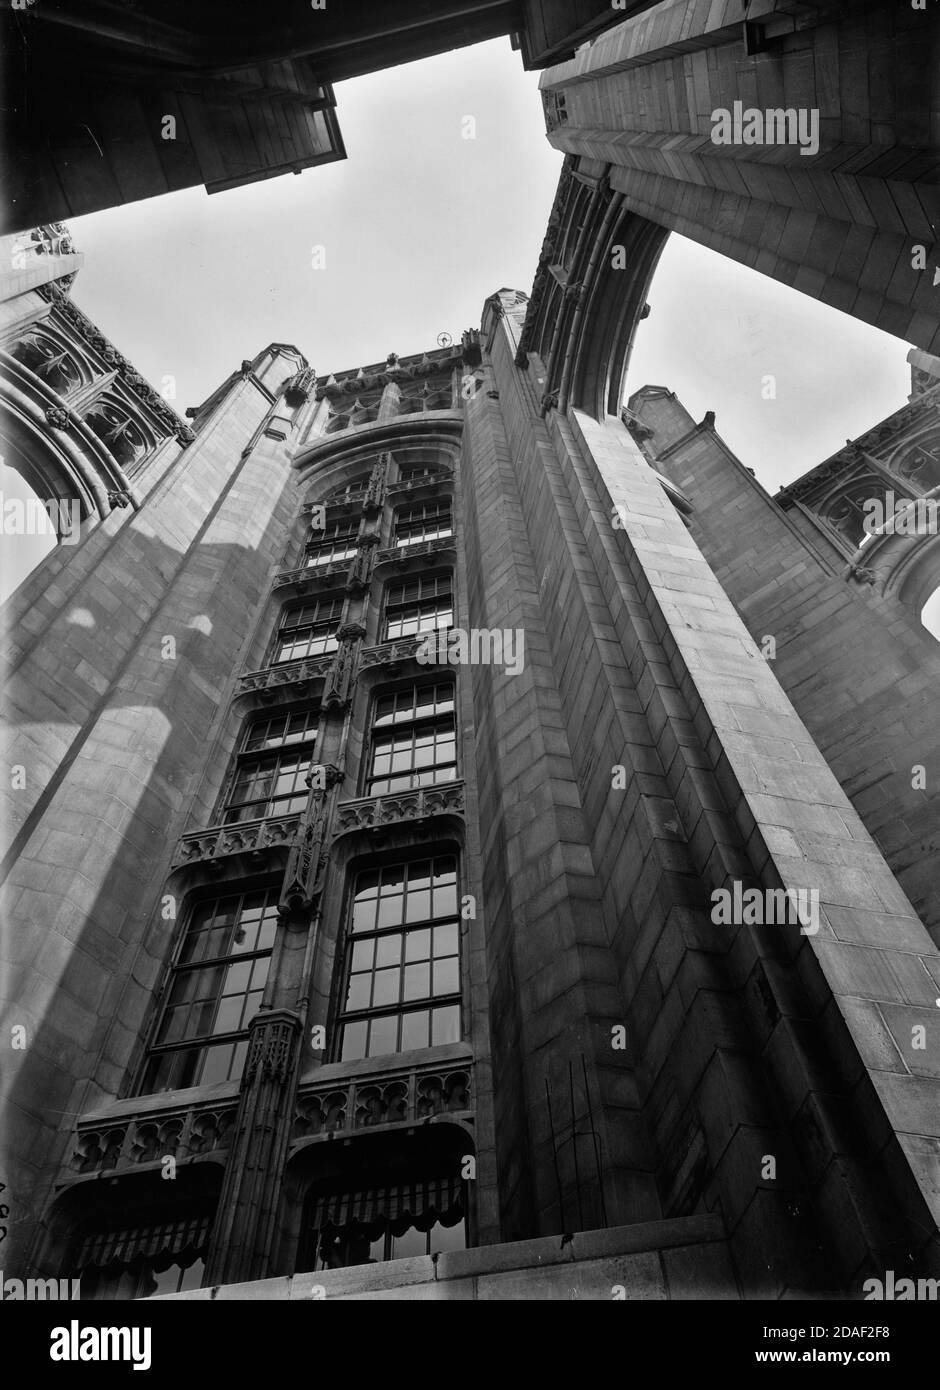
x: 266, y: 930
x: 252, y: 1005
x: 229, y: 1017
x: 386, y: 988
x: 390, y: 910
x: 445, y: 1238
x: 388, y: 950
x: 237, y: 978
x: 445, y: 901
x: 413, y: 1242
x: 217, y: 1064
x: 354, y: 1041
x: 445, y: 1025
x: 384, y: 1036
x: 191, y: 1278
x: 418, y: 945
x: 419, y: 906
x: 446, y: 976
x: 363, y: 918
x: 414, y: 1030
x: 445, y: 939
x: 417, y: 982
x: 363, y: 954
x: 360, y: 988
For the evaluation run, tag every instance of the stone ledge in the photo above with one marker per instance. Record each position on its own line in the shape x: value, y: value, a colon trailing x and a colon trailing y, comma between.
x: 550, y: 1267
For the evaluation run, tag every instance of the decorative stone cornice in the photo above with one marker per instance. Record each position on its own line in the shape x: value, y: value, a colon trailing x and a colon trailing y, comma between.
x: 406, y: 485
x: 403, y: 557
x: 391, y: 1096
x: 125, y: 1142
x: 371, y: 813
x: 202, y: 846
x: 441, y: 362
x: 128, y: 374
x: 309, y: 578
x: 390, y: 653
x: 866, y: 448
x: 272, y: 678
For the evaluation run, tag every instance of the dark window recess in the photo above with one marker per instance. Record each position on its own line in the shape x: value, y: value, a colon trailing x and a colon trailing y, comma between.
x: 141, y: 1261
x: 387, y: 1223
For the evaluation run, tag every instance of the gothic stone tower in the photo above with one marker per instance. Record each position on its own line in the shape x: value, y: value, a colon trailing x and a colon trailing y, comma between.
x: 324, y: 950
x: 843, y: 602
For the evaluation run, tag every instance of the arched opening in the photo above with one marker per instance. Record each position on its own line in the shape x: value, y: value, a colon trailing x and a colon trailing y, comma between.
x: 383, y: 1196
x: 49, y: 360
x: 136, y: 1235
x: 32, y: 524
x: 789, y: 378
x: 121, y: 436
x: 930, y: 614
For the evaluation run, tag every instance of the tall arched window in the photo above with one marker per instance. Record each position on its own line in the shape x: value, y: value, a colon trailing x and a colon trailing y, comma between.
x: 49, y: 360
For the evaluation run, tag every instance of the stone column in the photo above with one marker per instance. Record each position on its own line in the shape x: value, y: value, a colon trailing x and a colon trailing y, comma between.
x: 244, y: 1229
x: 388, y: 408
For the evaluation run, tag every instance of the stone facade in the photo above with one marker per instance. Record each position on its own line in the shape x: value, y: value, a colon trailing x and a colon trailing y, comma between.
x: 317, y: 944
x: 850, y: 648
x: 848, y: 217
x: 160, y: 95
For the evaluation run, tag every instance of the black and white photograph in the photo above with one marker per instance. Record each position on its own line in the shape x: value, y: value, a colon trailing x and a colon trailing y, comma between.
x: 470, y: 583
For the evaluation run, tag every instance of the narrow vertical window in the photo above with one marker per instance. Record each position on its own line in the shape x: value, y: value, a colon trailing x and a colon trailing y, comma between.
x: 336, y: 541
x: 270, y: 770
x: 422, y: 604
x: 308, y: 629
x: 214, y: 992
x: 413, y: 739
x: 402, y: 967
x: 423, y: 521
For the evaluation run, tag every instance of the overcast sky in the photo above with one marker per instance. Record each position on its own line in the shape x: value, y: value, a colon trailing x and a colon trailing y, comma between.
x: 419, y: 225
